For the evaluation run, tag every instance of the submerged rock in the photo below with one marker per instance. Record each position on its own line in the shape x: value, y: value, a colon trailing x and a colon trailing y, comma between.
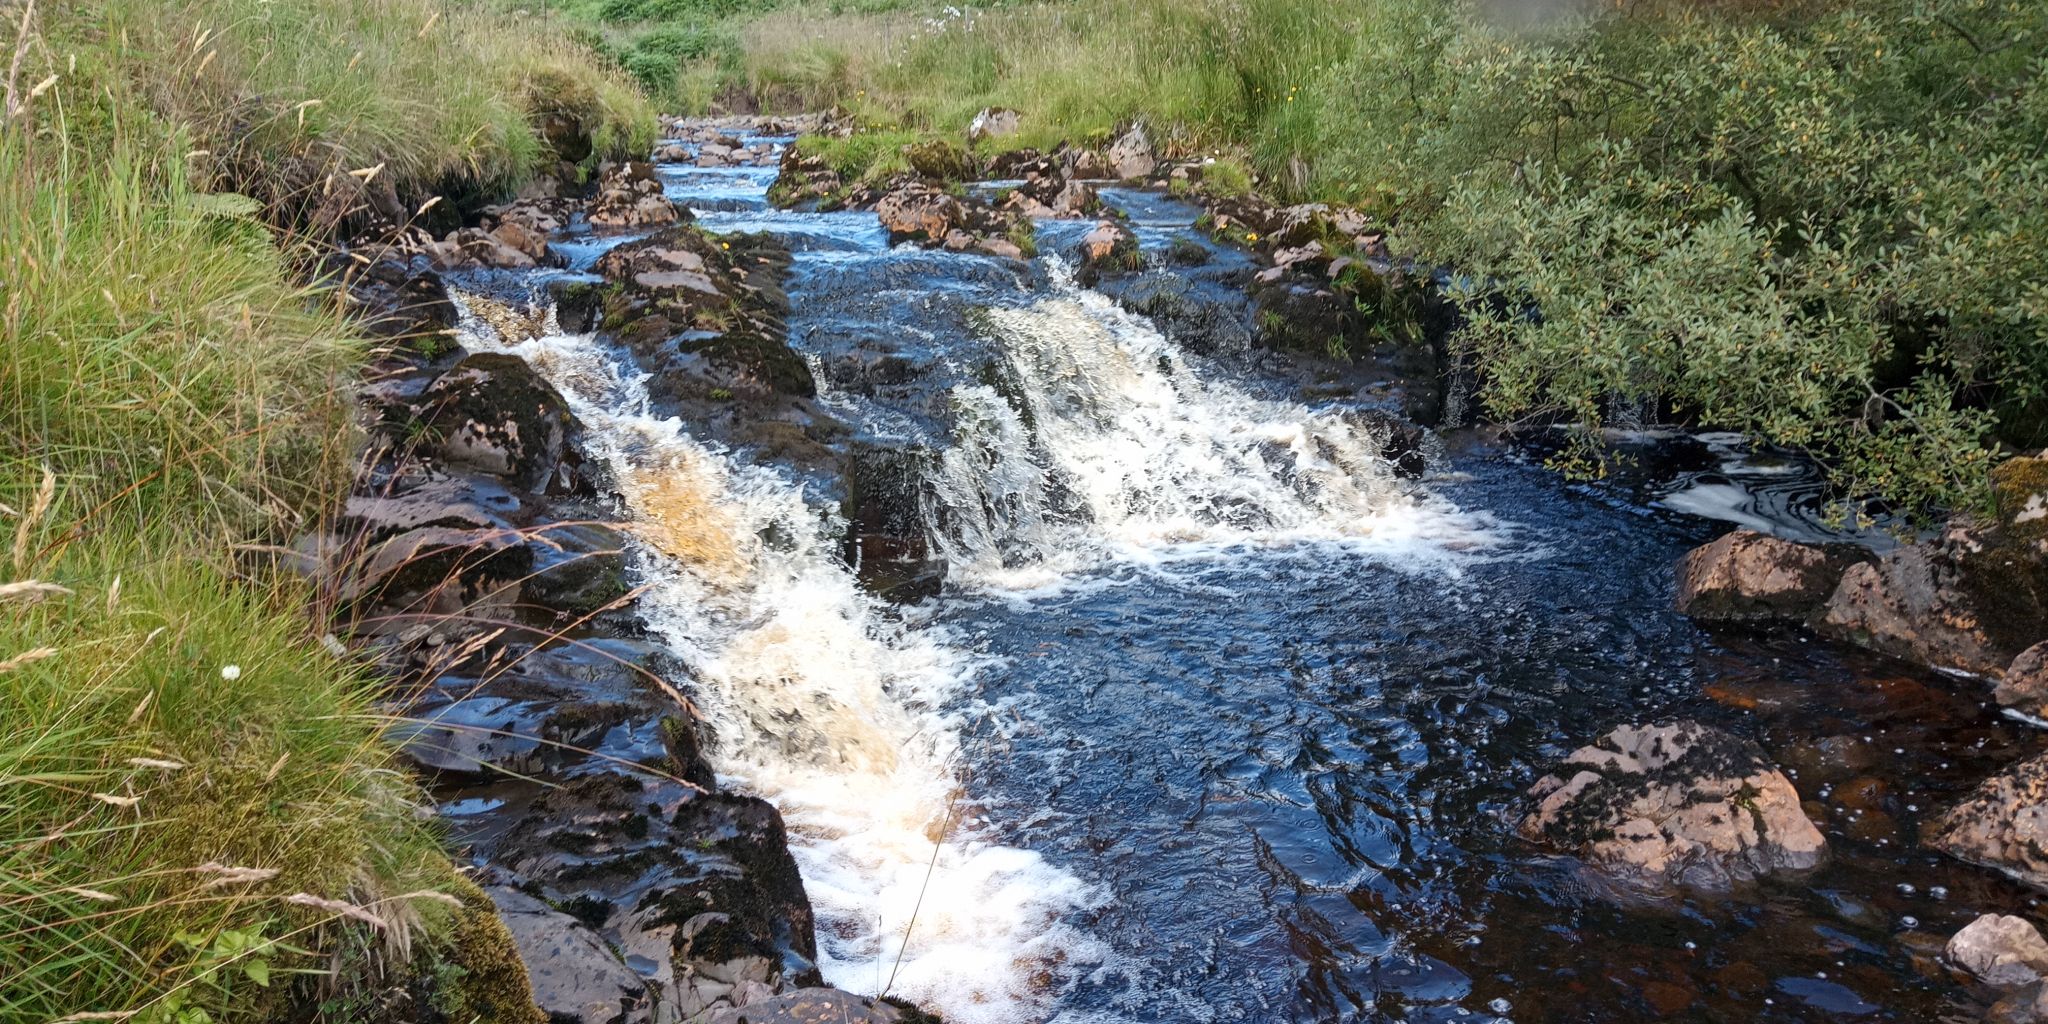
x: 1674, y: 804
x: 1999, y: 949
x: 2003, y: 825
x: 1752, y: 575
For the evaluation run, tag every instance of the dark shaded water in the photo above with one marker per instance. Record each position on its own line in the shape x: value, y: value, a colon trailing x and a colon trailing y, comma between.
x: 1291, y: 770
x: 1282, y: 758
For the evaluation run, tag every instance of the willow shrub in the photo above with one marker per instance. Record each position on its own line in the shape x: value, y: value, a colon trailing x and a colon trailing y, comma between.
x: 1821, y: 227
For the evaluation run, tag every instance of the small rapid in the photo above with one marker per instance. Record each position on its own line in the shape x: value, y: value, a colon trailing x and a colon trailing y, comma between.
x: 1102, y: 440
x: 824, y: 705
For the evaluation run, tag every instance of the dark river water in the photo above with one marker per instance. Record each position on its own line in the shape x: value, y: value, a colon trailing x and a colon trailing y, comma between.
x: 1215, y: 725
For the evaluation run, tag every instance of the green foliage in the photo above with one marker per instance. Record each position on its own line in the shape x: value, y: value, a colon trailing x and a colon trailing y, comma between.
x: 1813, y: 228
x: 1813, y: 221
x: 195, y: 799
x: 872, y: 155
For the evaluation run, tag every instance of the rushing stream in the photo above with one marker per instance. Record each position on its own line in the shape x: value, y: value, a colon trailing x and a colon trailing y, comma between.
x: 1216, y: 719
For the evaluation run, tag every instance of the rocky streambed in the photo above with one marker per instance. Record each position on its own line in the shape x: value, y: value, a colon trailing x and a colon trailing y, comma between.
x: 1054, y: 596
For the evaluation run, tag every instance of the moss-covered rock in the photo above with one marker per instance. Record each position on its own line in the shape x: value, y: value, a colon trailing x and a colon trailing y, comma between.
x: 491, y: 986
x: 2019, y: 486
x: 939, y: 160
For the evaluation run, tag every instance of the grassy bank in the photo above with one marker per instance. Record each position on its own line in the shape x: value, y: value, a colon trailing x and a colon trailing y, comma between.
x: 1811, y: 221
x: 198, y: 818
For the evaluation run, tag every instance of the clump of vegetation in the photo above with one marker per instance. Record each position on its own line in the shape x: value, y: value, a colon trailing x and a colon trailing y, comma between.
x: 1811, y: 221
x: 434, y: 95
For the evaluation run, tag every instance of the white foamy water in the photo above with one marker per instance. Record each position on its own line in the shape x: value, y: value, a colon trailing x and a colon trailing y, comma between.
x: 827, y: 707
x: 1111, y: 445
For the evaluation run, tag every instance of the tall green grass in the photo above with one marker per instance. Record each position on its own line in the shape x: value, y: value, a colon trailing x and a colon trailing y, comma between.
x: 439, y: 94
x: 199, y: 818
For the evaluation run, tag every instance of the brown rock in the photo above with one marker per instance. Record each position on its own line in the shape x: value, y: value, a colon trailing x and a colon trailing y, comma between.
x: 1999, y: 950
x: 919, y: 213
x: 1674, y: 804
x: 1751, y: 575
x: 2003, y: 825
x: 630, y: 195
x: 1110, y: 246
x: 1131, y: 155
x: 1969, y: 601
x: 2025, y: 686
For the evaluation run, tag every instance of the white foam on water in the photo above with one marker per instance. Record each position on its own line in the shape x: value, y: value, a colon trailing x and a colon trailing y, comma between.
x: 828, y: 707
x: 1111, y: 446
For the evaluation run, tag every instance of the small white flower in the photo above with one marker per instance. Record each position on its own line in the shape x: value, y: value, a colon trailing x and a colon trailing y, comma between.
x: 231, y: 672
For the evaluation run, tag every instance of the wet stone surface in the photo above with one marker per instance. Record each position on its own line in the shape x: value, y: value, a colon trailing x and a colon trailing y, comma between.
x: 1290, y: 774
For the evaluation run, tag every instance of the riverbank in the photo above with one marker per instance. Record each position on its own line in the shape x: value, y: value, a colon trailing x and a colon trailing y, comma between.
x: 1661, y: 184
x: 204, y: 822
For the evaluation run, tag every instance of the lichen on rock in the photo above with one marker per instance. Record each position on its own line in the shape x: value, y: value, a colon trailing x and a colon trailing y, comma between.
x: 1677, y: 803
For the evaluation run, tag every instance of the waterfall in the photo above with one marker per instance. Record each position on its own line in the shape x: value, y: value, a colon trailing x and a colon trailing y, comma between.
x: 826, y: 706
x: 1101, y: 439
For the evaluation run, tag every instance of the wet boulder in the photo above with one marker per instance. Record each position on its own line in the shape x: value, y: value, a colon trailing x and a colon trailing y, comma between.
x: 2002, y: 825
x: 802, y: 178
x: 411, y: 568
x: 2025, y: 686
x: 1110, y: 247
x: 457, y: 501
x: 467, y: 248
x: 885, y: 508
x: 391, y: 301
x: 492, y: 413
x: 738, y: 903
x: 1131, y: 155
x: 1401, y: 444
x: 630, y: 195
x: 812, y: 1006
x: 920, y: 213
x: 575, y: 975
x: 1970, y: 600
x: 1999, y: 949
x: 1302, y: 313
x: 579, y: 568
x: 704, y: 314
x: 993, y: 123
x: 1752, y: 575
x: 1023, y: 163
x: 1055, y: 198
x: 1676, y: 803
